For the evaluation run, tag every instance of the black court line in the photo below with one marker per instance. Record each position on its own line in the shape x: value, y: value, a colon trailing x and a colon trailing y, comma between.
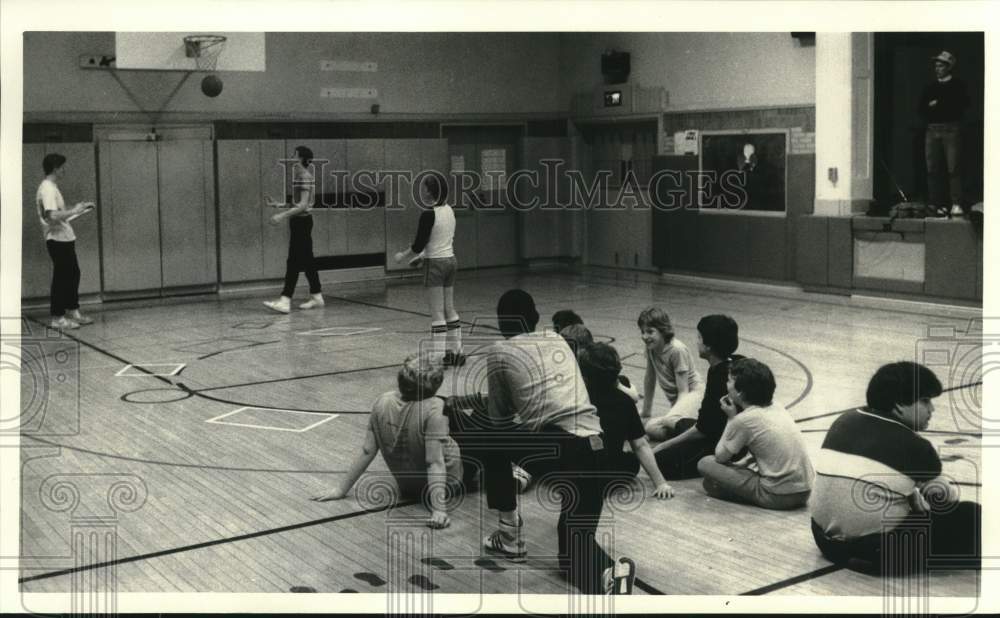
x: 233, y: 402
x: 177, y: 464
x: 232, y: 539
x: 791, y: 581
x: 647, y: 588
x: 826, y: 414
x: 610, y: 282
x: 410, y: 311
x: 323, y: 374
x: 244, y: 347
x: 107, y: 353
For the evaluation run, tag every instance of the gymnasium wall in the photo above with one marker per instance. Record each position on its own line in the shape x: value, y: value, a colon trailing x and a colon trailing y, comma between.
x: 418, y: 73
x: 714, y: 81
x: 699, y: 70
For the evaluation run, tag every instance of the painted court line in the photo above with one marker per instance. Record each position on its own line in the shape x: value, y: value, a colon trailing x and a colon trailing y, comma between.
x: 143, y: 370
x: 217, y: 420
x: 339, y: 331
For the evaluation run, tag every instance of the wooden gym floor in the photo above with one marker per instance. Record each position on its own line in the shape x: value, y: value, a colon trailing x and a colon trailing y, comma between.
x: 201, y: 479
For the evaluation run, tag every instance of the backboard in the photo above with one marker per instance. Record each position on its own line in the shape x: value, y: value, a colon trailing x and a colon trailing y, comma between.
x: 164, y: 51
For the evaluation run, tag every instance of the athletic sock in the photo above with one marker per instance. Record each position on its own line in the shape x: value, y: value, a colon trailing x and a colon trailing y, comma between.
x: 439, y: 332
x: 454, y: 338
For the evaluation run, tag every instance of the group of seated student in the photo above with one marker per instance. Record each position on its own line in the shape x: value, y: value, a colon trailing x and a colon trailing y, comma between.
x: 558, y: 410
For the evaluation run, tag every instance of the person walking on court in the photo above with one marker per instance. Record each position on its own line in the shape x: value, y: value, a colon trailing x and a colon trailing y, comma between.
x: 60, y: 241
x: 300, y: 224
x: 433, y: 246
x: 942, y: 106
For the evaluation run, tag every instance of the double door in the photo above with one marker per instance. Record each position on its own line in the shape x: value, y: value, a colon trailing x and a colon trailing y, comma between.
x: 158, y: 223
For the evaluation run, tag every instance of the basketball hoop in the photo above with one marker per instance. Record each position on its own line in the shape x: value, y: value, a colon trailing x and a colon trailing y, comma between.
x: 205, y: 49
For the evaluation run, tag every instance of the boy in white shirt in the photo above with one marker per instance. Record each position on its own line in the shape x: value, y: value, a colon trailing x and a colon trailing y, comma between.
x: 60, y: 241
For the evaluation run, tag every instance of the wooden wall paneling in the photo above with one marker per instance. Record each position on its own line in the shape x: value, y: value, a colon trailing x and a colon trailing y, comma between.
x: 766, y: 237
x: 187, y: 222
x: 274, y: 238
x: 366, y: 227
x: 130, y: 227
x: 240, y: 206
x: 403, y: 155
x: 36, y: 266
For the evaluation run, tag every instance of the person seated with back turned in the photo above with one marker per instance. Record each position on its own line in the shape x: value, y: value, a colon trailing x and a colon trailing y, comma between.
x: 879, y: 483
x: 408, y: 427
x: 620, y: 422
x: 677, y: 458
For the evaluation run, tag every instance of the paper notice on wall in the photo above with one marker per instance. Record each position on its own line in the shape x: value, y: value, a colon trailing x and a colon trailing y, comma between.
x: 494, y: 166
x: 686, y: 142
x: 457, y: 163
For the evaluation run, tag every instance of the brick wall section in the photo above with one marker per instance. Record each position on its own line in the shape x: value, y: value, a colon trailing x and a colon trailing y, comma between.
x: 801, y: 121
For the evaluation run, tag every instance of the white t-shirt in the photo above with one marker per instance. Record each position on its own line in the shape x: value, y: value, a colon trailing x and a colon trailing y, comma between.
x: 49, y: 197
x: 776, y: 443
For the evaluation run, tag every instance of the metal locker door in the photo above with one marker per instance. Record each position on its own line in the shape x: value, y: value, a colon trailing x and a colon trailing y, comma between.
x: 130, y: 222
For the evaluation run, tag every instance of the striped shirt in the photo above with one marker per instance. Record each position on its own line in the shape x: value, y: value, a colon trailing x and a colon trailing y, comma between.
x: 868, y: 466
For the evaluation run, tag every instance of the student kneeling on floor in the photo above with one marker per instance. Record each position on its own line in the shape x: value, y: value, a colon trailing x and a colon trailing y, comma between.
x: 879, y: 484
x: 777, y: 473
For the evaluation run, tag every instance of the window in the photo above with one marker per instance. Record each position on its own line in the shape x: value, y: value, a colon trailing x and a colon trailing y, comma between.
x: 743, y: 170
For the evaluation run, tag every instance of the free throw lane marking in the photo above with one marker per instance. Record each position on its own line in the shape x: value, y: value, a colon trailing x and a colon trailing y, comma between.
x: 339, y: 331
x: 139, y: 373
x: 302, y: 429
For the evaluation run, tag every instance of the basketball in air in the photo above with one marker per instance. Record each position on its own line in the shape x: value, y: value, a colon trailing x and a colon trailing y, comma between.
x: 211, y: 86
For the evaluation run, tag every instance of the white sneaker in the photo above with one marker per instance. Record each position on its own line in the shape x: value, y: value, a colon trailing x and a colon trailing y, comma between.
x: 956, y: 210
x: 522, y: 477
x: 507, y: 542
x: 620, y: 578
x: 80, y: 319
x: 282, y: 305
x: 63, y: 323
x: 314, y: 302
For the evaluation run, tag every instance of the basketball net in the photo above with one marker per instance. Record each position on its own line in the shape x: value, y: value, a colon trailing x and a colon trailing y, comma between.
x: 205, y: 49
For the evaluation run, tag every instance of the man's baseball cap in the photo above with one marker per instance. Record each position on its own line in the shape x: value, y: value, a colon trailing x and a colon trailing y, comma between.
x: 947, y: 57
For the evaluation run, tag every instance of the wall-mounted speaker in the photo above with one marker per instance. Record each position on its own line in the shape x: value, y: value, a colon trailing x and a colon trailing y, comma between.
x: 615, y: 66
x: 805, y: 39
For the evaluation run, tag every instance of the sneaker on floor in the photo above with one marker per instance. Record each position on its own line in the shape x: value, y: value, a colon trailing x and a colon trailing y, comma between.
x: 81, y: 319
x: 522, y: 477
x: 620, y: 578
x: 314, y: 302
x: 507, y: 542
x: 282, y: 305
x: 956, y: 210
x: 63, y: 323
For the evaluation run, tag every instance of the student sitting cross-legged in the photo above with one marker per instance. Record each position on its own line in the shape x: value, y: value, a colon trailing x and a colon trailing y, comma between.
x: 778, y: 473
x: 410, y: 430
x: 879, y: 486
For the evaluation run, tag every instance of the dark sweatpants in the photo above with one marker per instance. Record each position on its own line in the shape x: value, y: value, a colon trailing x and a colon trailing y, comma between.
x: 681, y: 461
x: 578, y: 466
x: 949, y: 537
x: 300, y: 256
x: 64, y: 292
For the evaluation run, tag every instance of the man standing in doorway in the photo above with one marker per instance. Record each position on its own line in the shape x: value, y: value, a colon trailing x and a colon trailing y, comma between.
x: 942, y: 106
